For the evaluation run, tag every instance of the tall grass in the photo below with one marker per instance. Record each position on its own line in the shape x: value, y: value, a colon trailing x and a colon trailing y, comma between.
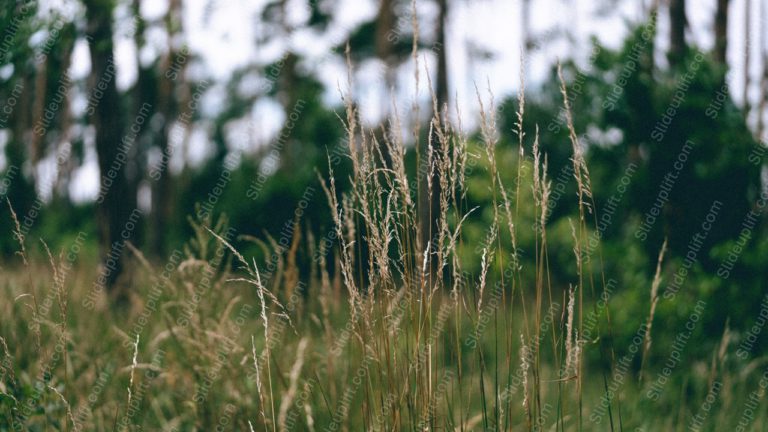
x: 387, y: 331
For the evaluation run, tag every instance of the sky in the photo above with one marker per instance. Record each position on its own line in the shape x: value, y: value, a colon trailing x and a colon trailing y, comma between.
x: 222, y: 33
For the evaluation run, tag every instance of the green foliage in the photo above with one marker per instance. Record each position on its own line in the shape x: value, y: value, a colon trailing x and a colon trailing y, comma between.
x: 619, y: 104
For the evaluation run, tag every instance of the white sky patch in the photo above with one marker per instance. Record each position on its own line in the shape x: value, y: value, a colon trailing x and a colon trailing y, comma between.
x: 5, y: 135
x: 223, y: 34
x: 197, y: 152
x: 81, y: 61
x: 144, y: 197
x: 84, y: 185
x: 737, y: 48
x: 127, y: 72
x: 239, y: 135
x: 267, y: 118
x: 155, y: 9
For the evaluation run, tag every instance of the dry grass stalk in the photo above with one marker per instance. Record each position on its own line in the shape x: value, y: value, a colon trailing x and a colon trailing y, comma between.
x: 525, y: 367
x: 581, y: 173
x: 69, y: 408
x: 308, y: 411
x: 259, y: 386
x: 571, y: 340
x: 718, y: 357
x: 133, y: 368
x: 346, y: 256
x: 485, y: 263
x: 654, y: 301
x: 290, y: 394
x: 17, y: 233
x: 19, y: 236
x: 265, y: 319
x: 291, y: 278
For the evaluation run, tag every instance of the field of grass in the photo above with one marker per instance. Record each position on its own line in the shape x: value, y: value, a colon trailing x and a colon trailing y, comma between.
x: 386, y: 331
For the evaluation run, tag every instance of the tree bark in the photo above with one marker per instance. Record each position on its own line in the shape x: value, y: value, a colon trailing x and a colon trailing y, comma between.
x: 430, y: 201
x: 64, y: 174
x: 721, y: 32
x: 112, y: 208
x: 763, y: 79
x: 678, y: 23
x: 747, y: 56
x: 653, y: 14
x: 162, y: 208
x: 385, y: 24
x: 441, y: 89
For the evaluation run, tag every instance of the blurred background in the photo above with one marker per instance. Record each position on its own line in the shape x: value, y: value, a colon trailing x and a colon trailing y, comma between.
x: 121, y: 120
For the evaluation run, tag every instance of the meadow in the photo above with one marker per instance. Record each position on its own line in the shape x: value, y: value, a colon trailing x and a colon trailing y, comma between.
x: 394, y: 325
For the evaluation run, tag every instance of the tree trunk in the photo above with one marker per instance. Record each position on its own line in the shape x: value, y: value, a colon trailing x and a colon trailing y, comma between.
x: 143, y: 93
x: 385, y: 24
x: 763, y: 79
x: 385, y: 52
x: 747, y: 56
x: 23, y: 192
x: 763, y: 101
x: 653, y: 14
x: 441, y: 89
x: 430, y: 218
x: 678, y: 23
x: 112, y: 208
x: 64, y: 175
x: 162, y: 207
x: 38, y: 107
x: 721, y: 32
x: 289, y: 94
